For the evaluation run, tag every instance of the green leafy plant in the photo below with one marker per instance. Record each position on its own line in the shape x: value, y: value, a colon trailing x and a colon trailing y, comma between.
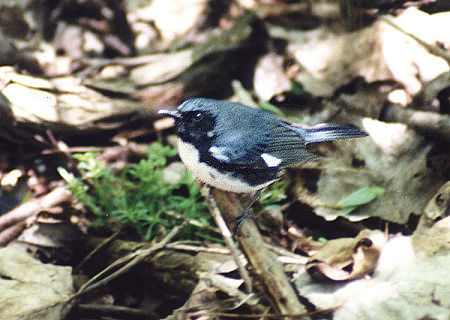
x: 297, y: 89
x: 271, y: 108
x: 273, y: 195
x: 140, y: 194
x: 358, y: 198
x: 267, y: 106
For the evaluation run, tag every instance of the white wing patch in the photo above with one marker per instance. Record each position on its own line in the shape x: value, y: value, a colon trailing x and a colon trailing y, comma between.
x: 270, y: 160
x: 218, y: 153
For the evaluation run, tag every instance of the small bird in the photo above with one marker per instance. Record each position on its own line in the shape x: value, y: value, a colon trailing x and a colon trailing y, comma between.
x: 240, y: 149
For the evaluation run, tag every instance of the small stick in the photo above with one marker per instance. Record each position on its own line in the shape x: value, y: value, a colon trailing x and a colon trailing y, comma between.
x: 226, y: 234
x: 130, y: 261
x: 33, y: 207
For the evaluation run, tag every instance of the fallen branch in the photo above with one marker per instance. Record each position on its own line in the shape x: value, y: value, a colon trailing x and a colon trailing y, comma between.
x: 422, y: 121
x: 13, y: 222
x: 265, y: 267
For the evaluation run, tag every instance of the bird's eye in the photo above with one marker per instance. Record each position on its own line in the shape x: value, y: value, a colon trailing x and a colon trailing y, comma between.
x: 198, y: 116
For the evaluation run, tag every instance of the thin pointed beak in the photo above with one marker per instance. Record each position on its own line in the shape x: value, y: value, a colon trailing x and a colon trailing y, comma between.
x: 170, y: 113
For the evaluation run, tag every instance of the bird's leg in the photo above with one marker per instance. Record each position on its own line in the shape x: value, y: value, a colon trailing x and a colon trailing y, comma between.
x: 246, y: 213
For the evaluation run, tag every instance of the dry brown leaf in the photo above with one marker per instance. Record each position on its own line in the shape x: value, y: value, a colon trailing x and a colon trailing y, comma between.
x: 31, y: 289
x: 172, y: 19
x: 60, y: 103
x: 439, y: 205
x: 433, y: 240
x: 347, y: 258
x: 393, y: 157
x: 270, y: 77
x: 331, y: 58
x: 405, y: 285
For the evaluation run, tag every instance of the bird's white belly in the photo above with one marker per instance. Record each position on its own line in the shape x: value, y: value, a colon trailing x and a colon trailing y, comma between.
x: 223, y: 181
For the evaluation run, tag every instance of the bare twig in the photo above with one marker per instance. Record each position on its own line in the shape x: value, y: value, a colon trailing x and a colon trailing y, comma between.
x: 130, y: 261
x: 12, y: 233
x: 104, y: 243
x: 100, y: 311
x: 264, y: 264
x: 13, y: 222
x: 35, y: 206
x: 226, y: 234
x: 196, y: 249
x: 423, y: 121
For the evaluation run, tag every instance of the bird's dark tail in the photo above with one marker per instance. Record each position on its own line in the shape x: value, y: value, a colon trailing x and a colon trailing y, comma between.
x: 329, y: 132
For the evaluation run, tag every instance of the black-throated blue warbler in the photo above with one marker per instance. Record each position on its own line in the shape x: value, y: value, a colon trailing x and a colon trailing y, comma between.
x: 236, y: 148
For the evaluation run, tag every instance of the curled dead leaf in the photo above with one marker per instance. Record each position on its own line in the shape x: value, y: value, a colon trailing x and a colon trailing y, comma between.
x: 347, y: 258
x: 439, y: 205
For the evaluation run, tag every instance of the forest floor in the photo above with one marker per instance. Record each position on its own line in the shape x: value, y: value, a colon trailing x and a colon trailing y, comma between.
x: 100, y: 219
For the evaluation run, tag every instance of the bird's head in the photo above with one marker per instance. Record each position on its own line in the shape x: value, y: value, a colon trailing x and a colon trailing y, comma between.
x: 194, y: 120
